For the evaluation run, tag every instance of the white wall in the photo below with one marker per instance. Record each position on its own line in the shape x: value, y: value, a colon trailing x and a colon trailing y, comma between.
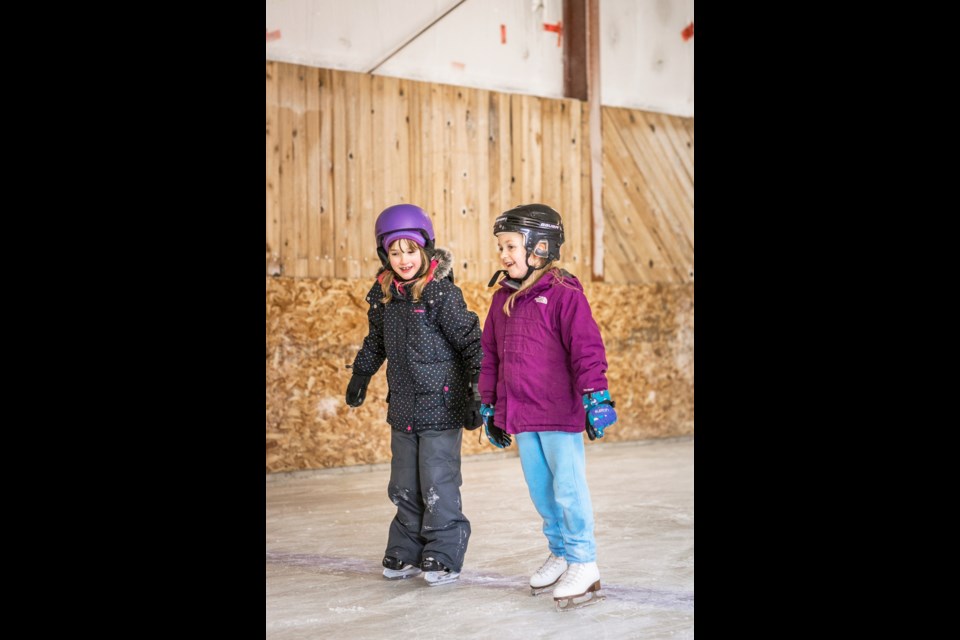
x: 644, y: 61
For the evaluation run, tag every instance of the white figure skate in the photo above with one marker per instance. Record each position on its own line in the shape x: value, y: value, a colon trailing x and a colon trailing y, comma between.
x: 548, y: 575
x: 579, y: 586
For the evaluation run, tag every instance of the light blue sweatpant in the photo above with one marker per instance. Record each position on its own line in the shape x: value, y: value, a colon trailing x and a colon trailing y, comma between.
x: 555, y: 471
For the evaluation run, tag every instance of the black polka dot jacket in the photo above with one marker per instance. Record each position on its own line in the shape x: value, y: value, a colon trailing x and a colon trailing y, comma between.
x: 432, y: 348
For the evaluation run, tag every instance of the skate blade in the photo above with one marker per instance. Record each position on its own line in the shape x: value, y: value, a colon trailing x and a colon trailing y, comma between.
x: 535, y: 591
x: 576, y: 602
x: 437, y: 580
x: 393, y: 574
x: 592, y: 595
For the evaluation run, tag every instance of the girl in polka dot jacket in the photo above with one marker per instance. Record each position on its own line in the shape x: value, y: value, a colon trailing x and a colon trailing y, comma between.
x: 420, y: 324
x: 543, y: 380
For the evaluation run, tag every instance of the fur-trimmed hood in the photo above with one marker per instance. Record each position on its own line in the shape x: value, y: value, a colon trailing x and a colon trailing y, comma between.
x: 444, y: 258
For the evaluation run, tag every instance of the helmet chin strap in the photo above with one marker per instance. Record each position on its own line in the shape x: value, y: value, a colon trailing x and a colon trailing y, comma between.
x: 513, y: 283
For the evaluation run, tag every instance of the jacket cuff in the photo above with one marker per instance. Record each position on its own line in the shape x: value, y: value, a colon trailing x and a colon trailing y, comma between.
x: 595, y: 398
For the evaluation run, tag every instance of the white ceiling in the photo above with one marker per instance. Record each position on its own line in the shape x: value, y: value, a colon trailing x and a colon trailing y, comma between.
x: 645, y: 60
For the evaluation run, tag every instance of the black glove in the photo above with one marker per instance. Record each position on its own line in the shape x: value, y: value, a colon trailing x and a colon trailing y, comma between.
x: 497, y: 436
x: 357, y: 390
x: 474, y: 419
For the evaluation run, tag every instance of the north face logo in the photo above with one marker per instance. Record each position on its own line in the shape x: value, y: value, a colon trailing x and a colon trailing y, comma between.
x: 540, y: 299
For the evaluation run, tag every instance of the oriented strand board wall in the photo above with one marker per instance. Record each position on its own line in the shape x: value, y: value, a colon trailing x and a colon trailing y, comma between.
x: 316, y: 326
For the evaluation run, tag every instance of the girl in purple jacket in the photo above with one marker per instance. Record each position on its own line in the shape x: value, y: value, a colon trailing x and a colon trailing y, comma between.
x: 542, y: 380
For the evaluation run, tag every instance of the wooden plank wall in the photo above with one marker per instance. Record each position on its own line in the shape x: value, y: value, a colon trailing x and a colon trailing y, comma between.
x: 647, y: 197
x: 343, y: 146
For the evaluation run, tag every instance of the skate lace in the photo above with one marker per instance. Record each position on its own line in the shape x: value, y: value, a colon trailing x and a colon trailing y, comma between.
x: 574, y: 571
x: 550, y: 565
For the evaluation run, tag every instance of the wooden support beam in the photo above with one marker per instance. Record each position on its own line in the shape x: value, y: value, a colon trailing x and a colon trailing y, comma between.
x: 596, y: 136
x: 581, y: 80
x: 575, y: 49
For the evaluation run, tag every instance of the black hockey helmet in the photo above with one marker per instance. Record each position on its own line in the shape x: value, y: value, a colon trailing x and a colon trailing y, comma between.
x: 536, y: 223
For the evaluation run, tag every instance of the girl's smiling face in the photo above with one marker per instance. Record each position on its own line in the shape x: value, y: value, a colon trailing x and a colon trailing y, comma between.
x: 405, y: 258
x: 513, y: 255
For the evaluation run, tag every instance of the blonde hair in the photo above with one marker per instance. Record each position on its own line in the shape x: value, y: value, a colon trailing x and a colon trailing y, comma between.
x: 417, y: 283
x: 532, y: 280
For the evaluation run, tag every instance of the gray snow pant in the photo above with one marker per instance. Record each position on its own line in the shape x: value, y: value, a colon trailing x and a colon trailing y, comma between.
x: 425, y: 485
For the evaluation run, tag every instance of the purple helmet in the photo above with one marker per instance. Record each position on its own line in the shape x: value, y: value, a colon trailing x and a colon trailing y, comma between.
x: 403, y: 221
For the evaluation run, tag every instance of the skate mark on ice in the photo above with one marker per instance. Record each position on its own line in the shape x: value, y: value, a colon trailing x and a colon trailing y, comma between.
x: 654, y: 597
x: 369, y: 567
x: 496, y: 580
x: 326, y: 564
x: 659, y: 598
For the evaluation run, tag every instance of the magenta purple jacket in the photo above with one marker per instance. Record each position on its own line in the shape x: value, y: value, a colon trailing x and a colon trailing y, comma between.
x: 539, y: 361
